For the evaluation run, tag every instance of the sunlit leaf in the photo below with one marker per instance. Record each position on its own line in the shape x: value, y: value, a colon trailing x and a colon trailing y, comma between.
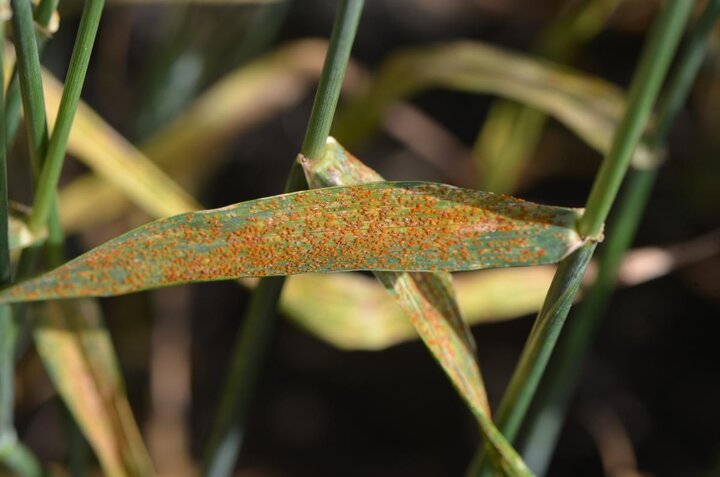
x: 588, y: 106
x: 188, y: 147
x: 428, y: 299
x: 358, y: 314
x: 79, y: 356
x: 114, y: 159
x: 384, y: 226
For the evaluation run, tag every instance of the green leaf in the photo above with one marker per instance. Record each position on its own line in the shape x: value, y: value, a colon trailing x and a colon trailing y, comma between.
x: 384, y: 226
x: 588, y: 106
x: 78, y: 353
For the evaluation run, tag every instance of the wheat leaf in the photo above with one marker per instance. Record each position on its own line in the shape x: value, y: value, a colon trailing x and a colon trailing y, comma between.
x: 78, y: 353
x: 383, y: 226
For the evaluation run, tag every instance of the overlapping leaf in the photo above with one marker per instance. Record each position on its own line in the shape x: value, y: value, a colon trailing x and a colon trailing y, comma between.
x: 384, y: 226
x: 588, y: 106
x: 482, y: 297
x: 428, y: 299
x: 79, y: 356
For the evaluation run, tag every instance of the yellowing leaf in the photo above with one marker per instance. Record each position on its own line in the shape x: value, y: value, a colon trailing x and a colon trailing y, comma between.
x: 79, y: 356
x: 383, y: 226
x: 188, y: 147
x: 588, y: 106
x: 116, y: 160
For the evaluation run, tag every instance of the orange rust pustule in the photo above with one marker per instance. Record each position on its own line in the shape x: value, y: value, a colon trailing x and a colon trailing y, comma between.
x: 378, y: 226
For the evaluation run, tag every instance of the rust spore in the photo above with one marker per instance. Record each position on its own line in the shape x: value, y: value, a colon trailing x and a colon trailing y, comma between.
x: 379, y: 226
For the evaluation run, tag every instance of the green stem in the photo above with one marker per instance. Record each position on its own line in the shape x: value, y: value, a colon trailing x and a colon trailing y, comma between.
x: 43, y: 15
x: 33, y: 101
x: 665, y: 34
x: 31, y: 90
x: 657, y: 53
x: 544, y: 424
x: 13, y: 455
x: 254, y: 335
x: 52, y: 166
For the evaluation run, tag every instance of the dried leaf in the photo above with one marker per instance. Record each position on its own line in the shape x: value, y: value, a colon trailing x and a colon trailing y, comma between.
x: 78, y: 353
x: 384, y: 226
x: 357, y: 314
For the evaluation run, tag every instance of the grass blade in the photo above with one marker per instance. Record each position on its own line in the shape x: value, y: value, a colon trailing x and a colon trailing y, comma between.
x: 588, y: 106
x: 402, y: 226
x: 78, y: 354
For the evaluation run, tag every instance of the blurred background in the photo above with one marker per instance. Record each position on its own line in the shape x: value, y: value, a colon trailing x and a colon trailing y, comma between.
x: 646, y: 401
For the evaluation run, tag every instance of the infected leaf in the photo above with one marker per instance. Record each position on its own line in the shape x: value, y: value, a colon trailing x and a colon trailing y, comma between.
x: 428, y: 299
x: 383, y: 226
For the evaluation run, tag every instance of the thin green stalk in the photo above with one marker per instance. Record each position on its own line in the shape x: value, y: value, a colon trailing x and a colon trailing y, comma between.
x: 654, y: 63
x: 657, y: 53
x: 30, y: 80
x: 43, y: 14
x: 18, y: 459
x: 31, y: 90
x: 52, y: 166
x: 544, y: 423
x: 13, y: 455
x: 253, y: 338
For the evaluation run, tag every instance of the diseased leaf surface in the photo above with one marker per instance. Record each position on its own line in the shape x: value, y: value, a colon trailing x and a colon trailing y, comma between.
x: 383, y: 226
x: 428, y: 299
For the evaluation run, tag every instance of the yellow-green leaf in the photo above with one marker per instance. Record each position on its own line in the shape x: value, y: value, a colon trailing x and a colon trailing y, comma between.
x: 188, y: 147
x: 114, y: 159
x: 78, y: 353
x: 383, y: 226
x: 590, y: 107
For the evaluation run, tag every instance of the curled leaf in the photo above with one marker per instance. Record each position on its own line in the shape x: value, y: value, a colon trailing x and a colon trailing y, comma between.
x: 383, y: 226
x: 588, y: 106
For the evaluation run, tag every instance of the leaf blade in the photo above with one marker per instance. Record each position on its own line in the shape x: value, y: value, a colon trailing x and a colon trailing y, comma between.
x: 78, y: 353
x: 428, y: 299
x: 383, y: 226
